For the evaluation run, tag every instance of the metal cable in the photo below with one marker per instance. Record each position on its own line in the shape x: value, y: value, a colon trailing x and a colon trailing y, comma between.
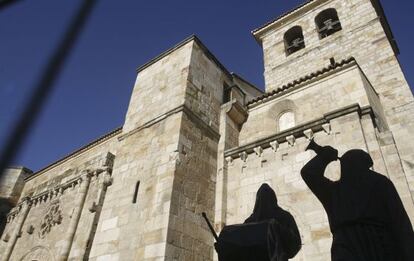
x: 44, y: 87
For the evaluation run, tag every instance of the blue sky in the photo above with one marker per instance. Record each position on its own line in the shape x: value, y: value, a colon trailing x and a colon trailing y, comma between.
x: 92, y: 94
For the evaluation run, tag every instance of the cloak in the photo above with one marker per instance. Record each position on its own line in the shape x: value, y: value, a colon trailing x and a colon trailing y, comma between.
x: 366, y: 216
x: 269, y: 234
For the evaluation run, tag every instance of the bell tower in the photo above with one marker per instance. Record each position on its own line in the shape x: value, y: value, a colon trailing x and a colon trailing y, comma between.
x: 320, y: 32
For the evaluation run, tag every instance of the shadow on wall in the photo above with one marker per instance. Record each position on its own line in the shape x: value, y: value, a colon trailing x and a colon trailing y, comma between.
x: 366, y: 216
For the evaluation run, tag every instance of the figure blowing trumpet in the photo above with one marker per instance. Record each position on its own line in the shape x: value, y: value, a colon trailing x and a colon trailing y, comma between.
x: 318, y: 149
x: 366, y: 216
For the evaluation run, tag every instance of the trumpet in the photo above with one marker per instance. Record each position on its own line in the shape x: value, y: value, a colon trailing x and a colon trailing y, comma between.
x: 316, y: 147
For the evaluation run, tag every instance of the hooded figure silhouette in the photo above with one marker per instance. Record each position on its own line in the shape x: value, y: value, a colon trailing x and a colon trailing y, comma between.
x: 269, y: 234
x: 266, y: 206
x: 284, y: 238
x: 366, y: 216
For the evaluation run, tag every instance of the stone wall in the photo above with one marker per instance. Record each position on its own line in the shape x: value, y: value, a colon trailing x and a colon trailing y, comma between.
x: 131, y: 229
x: 159, y: 83
x: 233, y: 115
x: 193, y: 193
x: 364, y: 37
x: 70, y: 166
x: 279, y: 165
x: 339, y: 107
x: 169, y: 146
x: 12, y: 183
x: 182, y: 151
x: 195, y: 177
x: 11, y: 186
x: 55, y: 217
x: 338, y: 88
x: 135, y: 214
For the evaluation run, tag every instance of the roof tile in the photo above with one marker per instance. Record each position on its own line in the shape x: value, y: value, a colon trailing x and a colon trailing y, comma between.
x: 301, y: 80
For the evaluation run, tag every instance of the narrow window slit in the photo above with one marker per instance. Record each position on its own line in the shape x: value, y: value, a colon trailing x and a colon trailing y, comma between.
x: 134, y: 199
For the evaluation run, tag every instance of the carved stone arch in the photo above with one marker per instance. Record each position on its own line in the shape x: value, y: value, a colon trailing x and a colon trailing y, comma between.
x: 40, y: 253
x: 327, y: 22
x: 294, y: 40
x: 286, y: 120
x: 279, y: 108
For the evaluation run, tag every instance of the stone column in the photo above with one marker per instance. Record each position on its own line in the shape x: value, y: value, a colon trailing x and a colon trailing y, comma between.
x: 73, y: 224
x: 232, y: 117
x: 18, y: 227
x: 104, y: 181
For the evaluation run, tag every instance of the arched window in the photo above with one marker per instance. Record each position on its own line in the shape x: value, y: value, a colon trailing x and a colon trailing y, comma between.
x: 327, y: 22
x: 286, y: 120
x: 294, y: 40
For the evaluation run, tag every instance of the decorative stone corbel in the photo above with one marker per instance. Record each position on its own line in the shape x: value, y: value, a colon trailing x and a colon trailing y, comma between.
x: 30, y: 229
x: 258, y: 150
x: 104, y: 169
x: 108, y: 179
x: 237, y: 113
x: 308, y: 133
x: 229, y: 160
x: 274, y: 145
x: 93, y: 207
x: 291, y: 140
x: 327, y: 128
x: 243, y: 156
x: 50, y: 194
x: 175, y: 157
x: 6, y: 237
x: 109, y: 162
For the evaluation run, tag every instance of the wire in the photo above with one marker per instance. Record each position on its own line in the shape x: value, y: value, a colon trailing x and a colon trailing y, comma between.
x: 45, y: 85
x: 5, y: 3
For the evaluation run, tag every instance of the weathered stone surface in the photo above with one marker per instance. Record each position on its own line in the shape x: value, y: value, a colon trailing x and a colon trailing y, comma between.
x: 197, y: 138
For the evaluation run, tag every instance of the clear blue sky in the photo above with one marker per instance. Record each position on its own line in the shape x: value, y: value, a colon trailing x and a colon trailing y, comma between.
x: 92, y: 95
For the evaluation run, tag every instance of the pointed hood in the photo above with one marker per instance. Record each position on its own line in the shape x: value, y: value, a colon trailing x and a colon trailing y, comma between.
x: 265, y: 206
x: 355, y: 163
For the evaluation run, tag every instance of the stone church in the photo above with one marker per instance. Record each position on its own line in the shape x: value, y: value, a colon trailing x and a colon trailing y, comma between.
x: 197, y: 137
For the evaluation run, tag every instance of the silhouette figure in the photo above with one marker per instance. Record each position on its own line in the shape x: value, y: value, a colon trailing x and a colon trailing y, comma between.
x: 286, y: 242
x: 269, y: 234
x: 366, y: 216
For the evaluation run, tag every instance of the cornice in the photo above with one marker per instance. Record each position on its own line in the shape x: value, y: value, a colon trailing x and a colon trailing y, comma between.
x: 320, y: 124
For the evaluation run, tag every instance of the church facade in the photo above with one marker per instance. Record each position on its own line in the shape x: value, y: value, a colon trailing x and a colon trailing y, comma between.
x: 197, y: 138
